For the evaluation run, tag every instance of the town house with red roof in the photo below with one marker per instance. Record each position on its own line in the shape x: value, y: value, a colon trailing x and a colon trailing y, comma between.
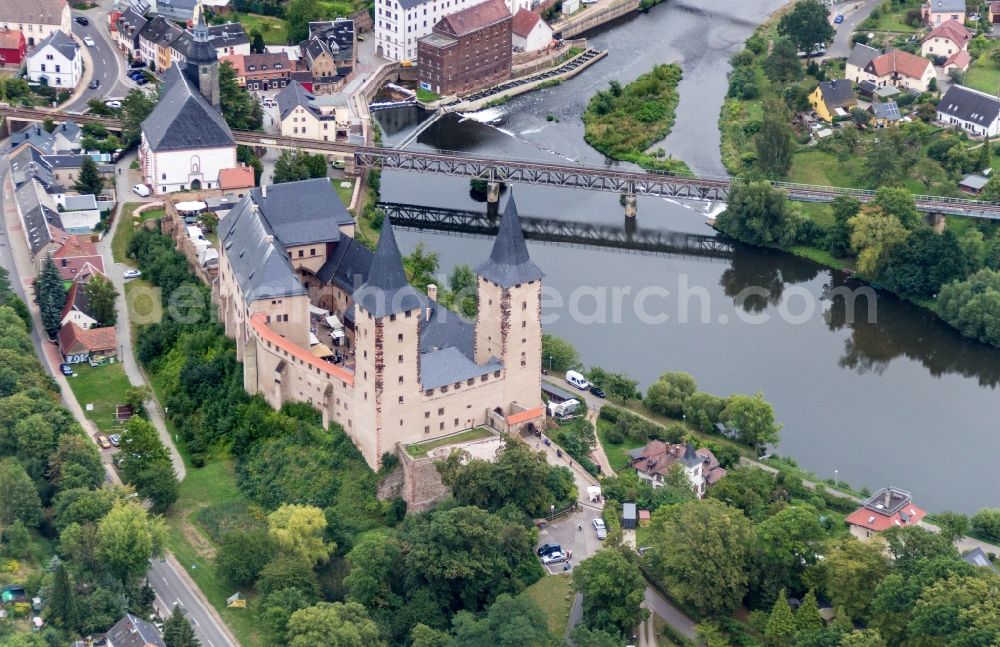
x: 654, y: 462
x: 889, y: 507
x: 900, y: 69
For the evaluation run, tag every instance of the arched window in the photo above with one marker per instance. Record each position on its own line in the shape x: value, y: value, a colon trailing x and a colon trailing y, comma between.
x: 195, y: 164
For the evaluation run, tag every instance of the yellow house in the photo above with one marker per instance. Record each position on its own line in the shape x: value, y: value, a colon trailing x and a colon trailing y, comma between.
x: 831, y: 95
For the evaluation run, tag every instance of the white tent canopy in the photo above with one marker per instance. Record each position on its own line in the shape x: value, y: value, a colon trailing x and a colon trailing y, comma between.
x: 192, y: 205
x: 320, y: 312
x: 334, y: 322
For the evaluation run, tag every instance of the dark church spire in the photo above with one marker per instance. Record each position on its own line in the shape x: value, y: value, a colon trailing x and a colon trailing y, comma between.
x: 387, y: 292
x: 509, y: 263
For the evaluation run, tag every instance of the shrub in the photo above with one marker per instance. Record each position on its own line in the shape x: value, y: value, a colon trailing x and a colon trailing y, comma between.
x: 987, y: 522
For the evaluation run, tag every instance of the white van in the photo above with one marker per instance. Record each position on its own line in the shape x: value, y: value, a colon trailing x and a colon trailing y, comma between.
x: 577, y: 380
x: 141, y: 189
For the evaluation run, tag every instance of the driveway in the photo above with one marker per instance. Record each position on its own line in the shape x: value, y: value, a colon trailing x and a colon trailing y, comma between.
x: 854, y: 14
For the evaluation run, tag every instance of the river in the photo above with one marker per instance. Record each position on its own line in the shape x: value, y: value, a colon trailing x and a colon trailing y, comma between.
x: 901, y: 400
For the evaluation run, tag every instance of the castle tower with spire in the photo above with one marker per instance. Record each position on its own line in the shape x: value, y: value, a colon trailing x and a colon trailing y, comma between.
x: 202, y: 65
x: 387, y: 329
x: 509, y: 324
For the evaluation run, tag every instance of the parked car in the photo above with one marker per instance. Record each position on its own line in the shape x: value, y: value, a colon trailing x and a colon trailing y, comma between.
x: 839, y: 19
x: 103, y: 441
x: 141, y: 81
x: 602, y: 532
x: 141, y: 190
x: 554, y: 557
x: 131, y: 274
x: 93, y: 85
x: 548, y: 548
x: 577, y: 380
x: 115, y: 439
x: 88, y: 41
x: 137, y: 63
x: 114, y: 105
x: 66, y: 369
x: 598, y: 391
x: 81, y: 20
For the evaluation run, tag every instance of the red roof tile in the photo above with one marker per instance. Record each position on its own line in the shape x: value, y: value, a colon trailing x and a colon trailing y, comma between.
x: 473, y: 18
x: 76, y: 246
x: 524, y: 416
x: 74, y: 340
x: 960, y: 59
x: 953, y: 30
x: 873, y: 520
x: 259, y: 323
x: 11, y: 39
x: 900, y: 62
x: 524, y: 22
x: 73, y: 267
x: 240, y: 177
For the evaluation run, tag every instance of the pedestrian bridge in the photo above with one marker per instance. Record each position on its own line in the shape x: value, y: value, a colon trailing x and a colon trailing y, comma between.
x: 626, y: 237
x: 613, y: 179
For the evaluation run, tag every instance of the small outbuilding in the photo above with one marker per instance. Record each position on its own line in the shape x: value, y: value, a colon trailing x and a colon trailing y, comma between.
x: 973, y: 184
x: 629, y: 516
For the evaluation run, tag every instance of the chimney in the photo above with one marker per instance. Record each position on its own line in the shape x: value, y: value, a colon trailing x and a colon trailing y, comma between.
x: 427, y: 313
x: 263, y: 191
x: 269, y: 239
x: 888, y: 497
x: 432, y: 292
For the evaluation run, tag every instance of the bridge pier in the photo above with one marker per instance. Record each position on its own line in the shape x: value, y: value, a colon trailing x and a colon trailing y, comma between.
x: 630, y: 206
x: 937, y: 221
x: 492, y: 192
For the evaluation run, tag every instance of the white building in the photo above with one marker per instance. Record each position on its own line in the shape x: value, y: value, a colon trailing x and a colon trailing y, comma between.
x: 36, y: 19
x: 306, y: 115
x: 399, y: 24
x: 975, y: 112
x: 530, y: 32
x: 185, y: 141
x: 56, y: 62
x: 654, y: 462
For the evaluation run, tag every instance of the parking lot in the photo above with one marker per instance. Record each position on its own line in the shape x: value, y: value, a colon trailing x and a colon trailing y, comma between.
x: 567, y: 533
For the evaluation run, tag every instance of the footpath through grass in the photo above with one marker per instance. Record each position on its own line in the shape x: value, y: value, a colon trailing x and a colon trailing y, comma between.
x: 103, y: 387
x: 554, y: 594
x: 624, y: 122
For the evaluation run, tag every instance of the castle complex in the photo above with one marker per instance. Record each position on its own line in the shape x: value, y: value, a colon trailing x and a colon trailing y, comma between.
x: 319, y: 318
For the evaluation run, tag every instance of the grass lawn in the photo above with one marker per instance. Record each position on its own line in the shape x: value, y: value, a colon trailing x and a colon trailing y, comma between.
x: 814, y: 166
x: 104, y: 387
x: 893, y: 21
x: 420, y: 449
x: 123, y: 234
x: 274, y: 30
x: 821, y: 256
x: 983, y: 76
x: 344, y: 193
x: 426, y: 95
x: 554, y: 594
x: 617, y: 454
x: 211, y: 485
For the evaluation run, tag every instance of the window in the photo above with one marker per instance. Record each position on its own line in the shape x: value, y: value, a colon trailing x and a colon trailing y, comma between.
x: 400, y: 379
x: 302, y: 253
x: 312, y: 251
x: 441, y: 426
x: 399, y: 337
x: 441, y: 411
x: 427, y: 414
x: 427, y: 429
x: 401, y: 399
x: 456, y: 422
x: 400, y: 359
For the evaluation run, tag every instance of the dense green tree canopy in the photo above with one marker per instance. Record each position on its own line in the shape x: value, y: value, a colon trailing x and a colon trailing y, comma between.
x: 755, y: 214
x: 613, y: 588
x: 807, y: 25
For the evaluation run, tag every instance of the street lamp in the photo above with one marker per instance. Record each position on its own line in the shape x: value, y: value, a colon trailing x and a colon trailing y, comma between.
x: 836, y: 479
x: 550, y: 363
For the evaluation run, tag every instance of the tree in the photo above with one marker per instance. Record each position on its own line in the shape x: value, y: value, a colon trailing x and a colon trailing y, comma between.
x: 243, y: 555
x: 987, y: 522
x: 298, y: 15
x: 669, y: 393
x: 701, y: 550
x: 839, y: 238
x: 786, y: 544
x: 953, y: 525
x: 873, y: 235
x: 89, y: 181
x: 923, y: 262
x: 295, y: 166
x: 860, y: 117
x: 807, y: 25
x: 50, y: 297
x: 143, y: 449
x: 558, y: 354
x: 959, y: 610
x: 807, y: 617
x: 424, y: 636
x: 277, y: 609
x: 16, y: 540
x: 102, y: 296
x: 289, y: 571
x: 863, y: 638
x: 899, y: 203
x: 753, y: 418
x: 158, y: 483
x: 421, y: 266
x: 509, y: 622
x: 19, y: 500
x: 76, y: 463
x: 884, y: 162
x: 613, y: 588
x: 298, y: 530
x: 464, y: 290
x: 239, y: 108
x: 333, y: 625
x: 62, y: 603
x: 136, y: 106
x: 929, y: 172
x: 246, y: 155
x: 773, y: 142
x: 781, y: 624
x: 850, y: 574
x: 991, y: 192
x: 621, y: 386
x: 973, y: 307
x: 257, y: 45
x: 127, y: 539
x: 756, y: 214
x: 178, y: 632
x: 782, y: 64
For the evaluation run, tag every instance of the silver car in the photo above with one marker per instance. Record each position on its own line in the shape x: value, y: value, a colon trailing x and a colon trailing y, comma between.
x: 554, y: 558
x: 602, y: 532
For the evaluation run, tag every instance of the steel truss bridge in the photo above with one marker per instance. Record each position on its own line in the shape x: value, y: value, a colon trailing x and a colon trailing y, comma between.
x: 627, y: 237
x: 608, y: 179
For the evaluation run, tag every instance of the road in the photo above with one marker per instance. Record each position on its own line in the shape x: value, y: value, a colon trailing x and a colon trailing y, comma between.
x: 107, y: 66
x: 167, y: 577
x: 854, y: 14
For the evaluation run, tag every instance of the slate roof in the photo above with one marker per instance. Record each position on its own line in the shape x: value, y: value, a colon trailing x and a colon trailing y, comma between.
x: 899, y: 62
x: 183, y: 119
x: 947, y: 5
x: 133, y: 631
x: 337, y: 34
x: 259, y: 264
x: 888, y: 111
x: 303, y: 212
x: 131, y: 23
x: 65, y: 161
x: 160, y: 31
x: 978, y: 557
x: 62, y: 43
x: 837, y: 94
x: 450, y: 365
x: 387, y: 292
x: 229, y: 34
x: 28, y: 162
x: 969, y: 105
x: 524, y: 22
x: 37, y: 12
x: 862, y: 55
x: 474, y: 18
x: 39, y: 214
x: 292, y: 96
x: 509, y: 262
x: 76, y: 299
x: 36, y: 136
x: 976, y: 182
x: 348, y: 265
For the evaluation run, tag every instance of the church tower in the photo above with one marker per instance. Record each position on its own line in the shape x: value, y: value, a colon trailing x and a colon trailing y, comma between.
x: 202, y: 65
x: 387, y: 350
x: 509, y: 324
